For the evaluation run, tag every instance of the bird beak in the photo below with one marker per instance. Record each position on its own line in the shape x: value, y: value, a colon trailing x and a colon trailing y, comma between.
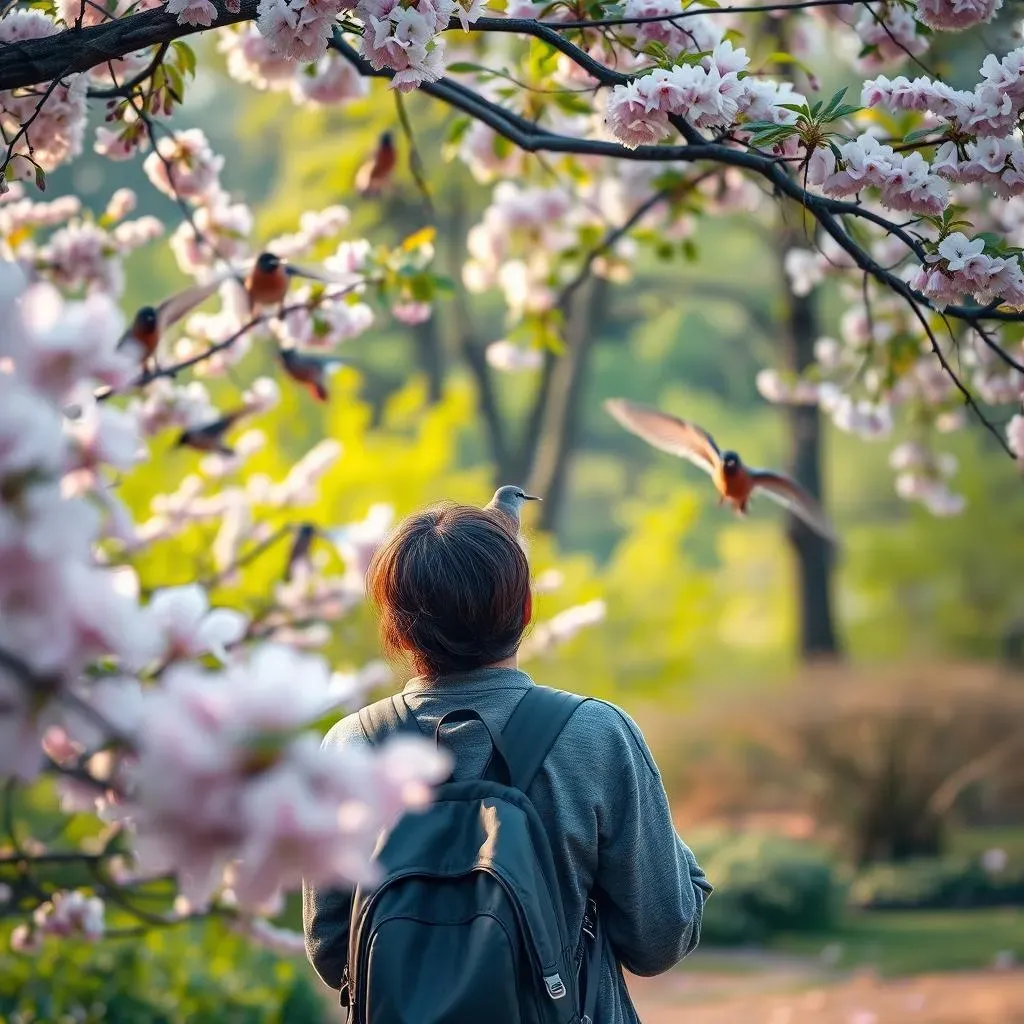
x: 532, y: 497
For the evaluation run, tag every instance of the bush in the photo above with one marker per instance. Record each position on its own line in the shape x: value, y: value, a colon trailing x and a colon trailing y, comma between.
x: 947, y: 883
x: 883, y: 761
x: 203, y: 974
x: 764, y: 885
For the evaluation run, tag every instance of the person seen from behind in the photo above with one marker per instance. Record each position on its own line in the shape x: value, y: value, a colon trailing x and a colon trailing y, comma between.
x: 471, y: 920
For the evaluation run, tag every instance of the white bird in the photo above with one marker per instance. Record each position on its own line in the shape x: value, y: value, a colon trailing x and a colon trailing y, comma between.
x: 509, y: 501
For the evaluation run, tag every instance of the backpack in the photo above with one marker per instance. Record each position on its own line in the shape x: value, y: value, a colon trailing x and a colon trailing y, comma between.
x: 465, y: 924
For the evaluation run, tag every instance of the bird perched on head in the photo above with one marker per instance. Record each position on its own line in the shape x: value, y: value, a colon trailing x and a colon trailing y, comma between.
x: 375, y: 174
x: 151, y: 322
x: 508, y: 501
x: 310, y: 370
x: 268, y: 280
x: 734, y: 481
x: 209, y: 437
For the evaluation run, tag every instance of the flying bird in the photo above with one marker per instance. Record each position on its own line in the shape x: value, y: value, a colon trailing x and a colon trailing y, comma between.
x: 508, y: 501
x: 209, y: 437
x: 734, y: 481
x: 310, y: 370
x: 150, y: 323
x: 269, y: 278
x: 304, y: 537
x: 375, y: 174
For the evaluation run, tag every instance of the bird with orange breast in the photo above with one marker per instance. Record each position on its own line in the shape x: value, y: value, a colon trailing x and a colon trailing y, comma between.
x: 310, y: 370
x: 374, y: 175
x: 735, y: 482
x: 209, y: 437
x: 150, y: 323
x: 268, y: 280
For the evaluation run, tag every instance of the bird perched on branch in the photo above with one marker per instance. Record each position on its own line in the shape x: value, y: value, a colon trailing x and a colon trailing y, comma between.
x: 268, y: 280
x: 310, y: 370
x: 209, y: 437
x: 301, y: 545
x: 734, y: 481
x: 508, y: 501
x: 375, y: 174
x: 150, y: 323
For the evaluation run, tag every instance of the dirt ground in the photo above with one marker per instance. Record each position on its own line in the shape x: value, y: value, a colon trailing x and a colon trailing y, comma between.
x: 788, y: 994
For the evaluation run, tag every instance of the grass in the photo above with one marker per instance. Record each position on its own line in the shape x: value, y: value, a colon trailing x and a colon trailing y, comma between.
x: 915, y: 942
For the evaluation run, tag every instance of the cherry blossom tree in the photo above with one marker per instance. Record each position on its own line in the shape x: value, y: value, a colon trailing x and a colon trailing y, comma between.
x: 604, y: 129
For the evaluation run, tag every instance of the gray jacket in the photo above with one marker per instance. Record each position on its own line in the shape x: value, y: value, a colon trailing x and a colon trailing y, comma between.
x: 601, y: 798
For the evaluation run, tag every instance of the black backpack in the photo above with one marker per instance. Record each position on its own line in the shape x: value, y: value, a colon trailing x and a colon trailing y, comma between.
x: 465, y: 923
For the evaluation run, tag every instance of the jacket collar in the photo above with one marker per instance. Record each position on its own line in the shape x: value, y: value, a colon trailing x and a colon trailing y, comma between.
x: 478, y: 679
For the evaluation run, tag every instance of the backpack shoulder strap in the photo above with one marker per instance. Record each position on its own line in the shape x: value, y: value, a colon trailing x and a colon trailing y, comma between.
x: 535, y: 724
x: 386, y: 717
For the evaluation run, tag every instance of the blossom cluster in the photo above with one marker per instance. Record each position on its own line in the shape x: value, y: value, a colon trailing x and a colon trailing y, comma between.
x: 49, y: 129
x: 905, y: 180
x: 709, y: 94
x: 80, y: 254
x: 402, y: 38
x: 228, y: 773
x: 65, y: 914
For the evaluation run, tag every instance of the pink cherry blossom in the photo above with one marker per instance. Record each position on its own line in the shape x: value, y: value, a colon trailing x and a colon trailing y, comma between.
x: 71, y: 913
x: 251, y: 59
x: 299, y: 29
x: 630, y: 118
x: 188, y: 625
x: 508, y: 357
x: 956, y: 15
x: 891, y: 32
x: 334, y: 81
x: 184, y: 166
x: 222, y: 779
x: 412, y: 313
x: 201, y: 13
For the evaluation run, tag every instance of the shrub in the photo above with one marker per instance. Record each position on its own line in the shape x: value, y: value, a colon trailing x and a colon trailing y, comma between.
x: 202, y: 974
x: 883, y: 761
x: 765, y: 885
x: 947, y: 883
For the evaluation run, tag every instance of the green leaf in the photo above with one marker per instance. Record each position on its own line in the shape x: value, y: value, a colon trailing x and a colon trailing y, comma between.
x: 690, y: 253
x: 442, y: 284
x: 844, y: 111
x: 464, y: 66
x: 834, y: 103
x: 572, y: 103
x: 921, y: 133
x: 175, y: 82
x: 186, y: 57
x: 782, y: 57
x: 40, y: 179
x: 457, y: 129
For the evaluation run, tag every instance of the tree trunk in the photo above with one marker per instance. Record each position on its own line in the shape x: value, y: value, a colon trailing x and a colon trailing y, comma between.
x: 814, y: 556
x: 560, y: 414
x: 430, y: 356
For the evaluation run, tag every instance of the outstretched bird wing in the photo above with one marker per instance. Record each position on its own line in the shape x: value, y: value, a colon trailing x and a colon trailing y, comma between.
x: 790, y: 495
x: 668, y: 433
x: 172, y: 309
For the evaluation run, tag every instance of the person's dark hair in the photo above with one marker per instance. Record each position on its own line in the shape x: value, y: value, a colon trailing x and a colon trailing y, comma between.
x: 452, y: 588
